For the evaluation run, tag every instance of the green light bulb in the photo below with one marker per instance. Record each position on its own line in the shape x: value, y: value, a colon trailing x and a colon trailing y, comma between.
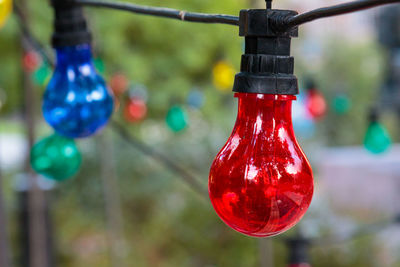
x: 341, y: 104
x: 42, y: 75
x: 377, y: 139
x: 176, y: 119
x: 56, y: 157
x: 99, y: 65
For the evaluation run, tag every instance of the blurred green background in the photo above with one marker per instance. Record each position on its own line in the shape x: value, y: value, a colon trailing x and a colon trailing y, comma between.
x: 165, y: 222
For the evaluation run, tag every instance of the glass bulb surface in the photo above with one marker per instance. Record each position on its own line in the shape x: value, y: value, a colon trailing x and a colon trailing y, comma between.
x: 42, y: 75
x: 135, y: 110
x: 223, y: 76
x: 99, y: 65
x: 5, y: 10
x: 119, y: 84
x: 55, y: 157
x: 77, y: 102
x: 176, y: 119
x: 30, y: 61
x: 341, y: 104
x: 377, y: 139
x: 261, y: 183
x: 303, y: 124
x: 316, y: 104
x: 138, y: 91
x: 195, y: 99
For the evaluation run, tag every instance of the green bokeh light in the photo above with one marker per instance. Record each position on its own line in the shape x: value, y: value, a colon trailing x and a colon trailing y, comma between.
x: 56, y: 157
x: 42, y: 75
x: 176, y: 119
x: 377, y: 139
x: 341, y: 104
x: 99, y: 65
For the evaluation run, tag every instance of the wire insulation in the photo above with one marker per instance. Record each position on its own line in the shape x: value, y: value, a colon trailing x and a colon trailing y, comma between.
x: 161, y: 158
x: 29, y: 38
x: 186, y: 176
x: 335, y: 10
x: 163, y: 12
x: 233, y: 20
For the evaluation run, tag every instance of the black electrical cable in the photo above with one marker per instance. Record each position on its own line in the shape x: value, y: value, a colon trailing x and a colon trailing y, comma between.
x: 268, y: 4
x: 204, y: 18
x: 145, y: 149
x: 233, y: 20
x: 163, y: 12
x: 165, y: 160
x: 32, y: 40
x: 335, y: 10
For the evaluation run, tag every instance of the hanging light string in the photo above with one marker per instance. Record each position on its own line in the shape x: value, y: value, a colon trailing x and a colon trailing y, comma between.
x: 163, y: 12
x: 186, y: 175
x: 28, y: 37
x: 194, y: 17
x: 281, y: 22
x: 335, y: 10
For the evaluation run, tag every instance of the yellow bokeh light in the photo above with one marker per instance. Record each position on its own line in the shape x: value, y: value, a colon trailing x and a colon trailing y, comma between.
x: 223, y: 76
x: 5, y: 10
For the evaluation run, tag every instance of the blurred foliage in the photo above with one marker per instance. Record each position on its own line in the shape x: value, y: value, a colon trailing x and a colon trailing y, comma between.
x: 165, y: 222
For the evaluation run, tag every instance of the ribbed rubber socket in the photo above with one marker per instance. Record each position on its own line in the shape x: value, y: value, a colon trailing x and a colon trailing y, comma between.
x: 298, y: 250
x: 70, y: 25
x: 266, y: 67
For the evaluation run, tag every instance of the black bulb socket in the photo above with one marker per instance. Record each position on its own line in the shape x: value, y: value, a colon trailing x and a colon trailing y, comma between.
x: 298, y: 250
x: 70, y: 25
x: 266, y: 67
x: 310, y: 84
x: 373, y: 115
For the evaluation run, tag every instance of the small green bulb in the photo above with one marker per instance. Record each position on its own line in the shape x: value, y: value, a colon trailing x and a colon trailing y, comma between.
x: 99, y: 65
x: 42, y: 75
x: 176, y: 119
x: 341, y: 104
x: 56, y: 157
x: 377, y: 139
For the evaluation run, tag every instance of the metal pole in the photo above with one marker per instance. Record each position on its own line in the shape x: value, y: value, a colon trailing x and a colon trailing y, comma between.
x: 22, y: 188
x: 266, y: 252
x: 37, y: 226
x: 298, y: 251
x: 4, y: 245
x: 112, y: 201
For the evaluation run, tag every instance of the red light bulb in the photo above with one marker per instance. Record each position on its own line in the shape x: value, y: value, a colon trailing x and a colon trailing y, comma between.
x: 30, y: 61
x: 261, y: 183
x: 119, y: 84
x: 135, y: 110
x: 316, y: 104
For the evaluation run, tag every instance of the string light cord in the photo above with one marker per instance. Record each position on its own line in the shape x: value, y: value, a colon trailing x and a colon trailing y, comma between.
x: 286, y: 21
x: 29, y: 38
x: 163, y: 12
x: 335, y: 10
x: 283, y: 23
x: 165, y: 160
x: 188, y: 177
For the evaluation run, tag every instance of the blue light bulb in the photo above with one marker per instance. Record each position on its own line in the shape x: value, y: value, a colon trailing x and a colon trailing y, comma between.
x: 303, y: 124
x: 77, y: 102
